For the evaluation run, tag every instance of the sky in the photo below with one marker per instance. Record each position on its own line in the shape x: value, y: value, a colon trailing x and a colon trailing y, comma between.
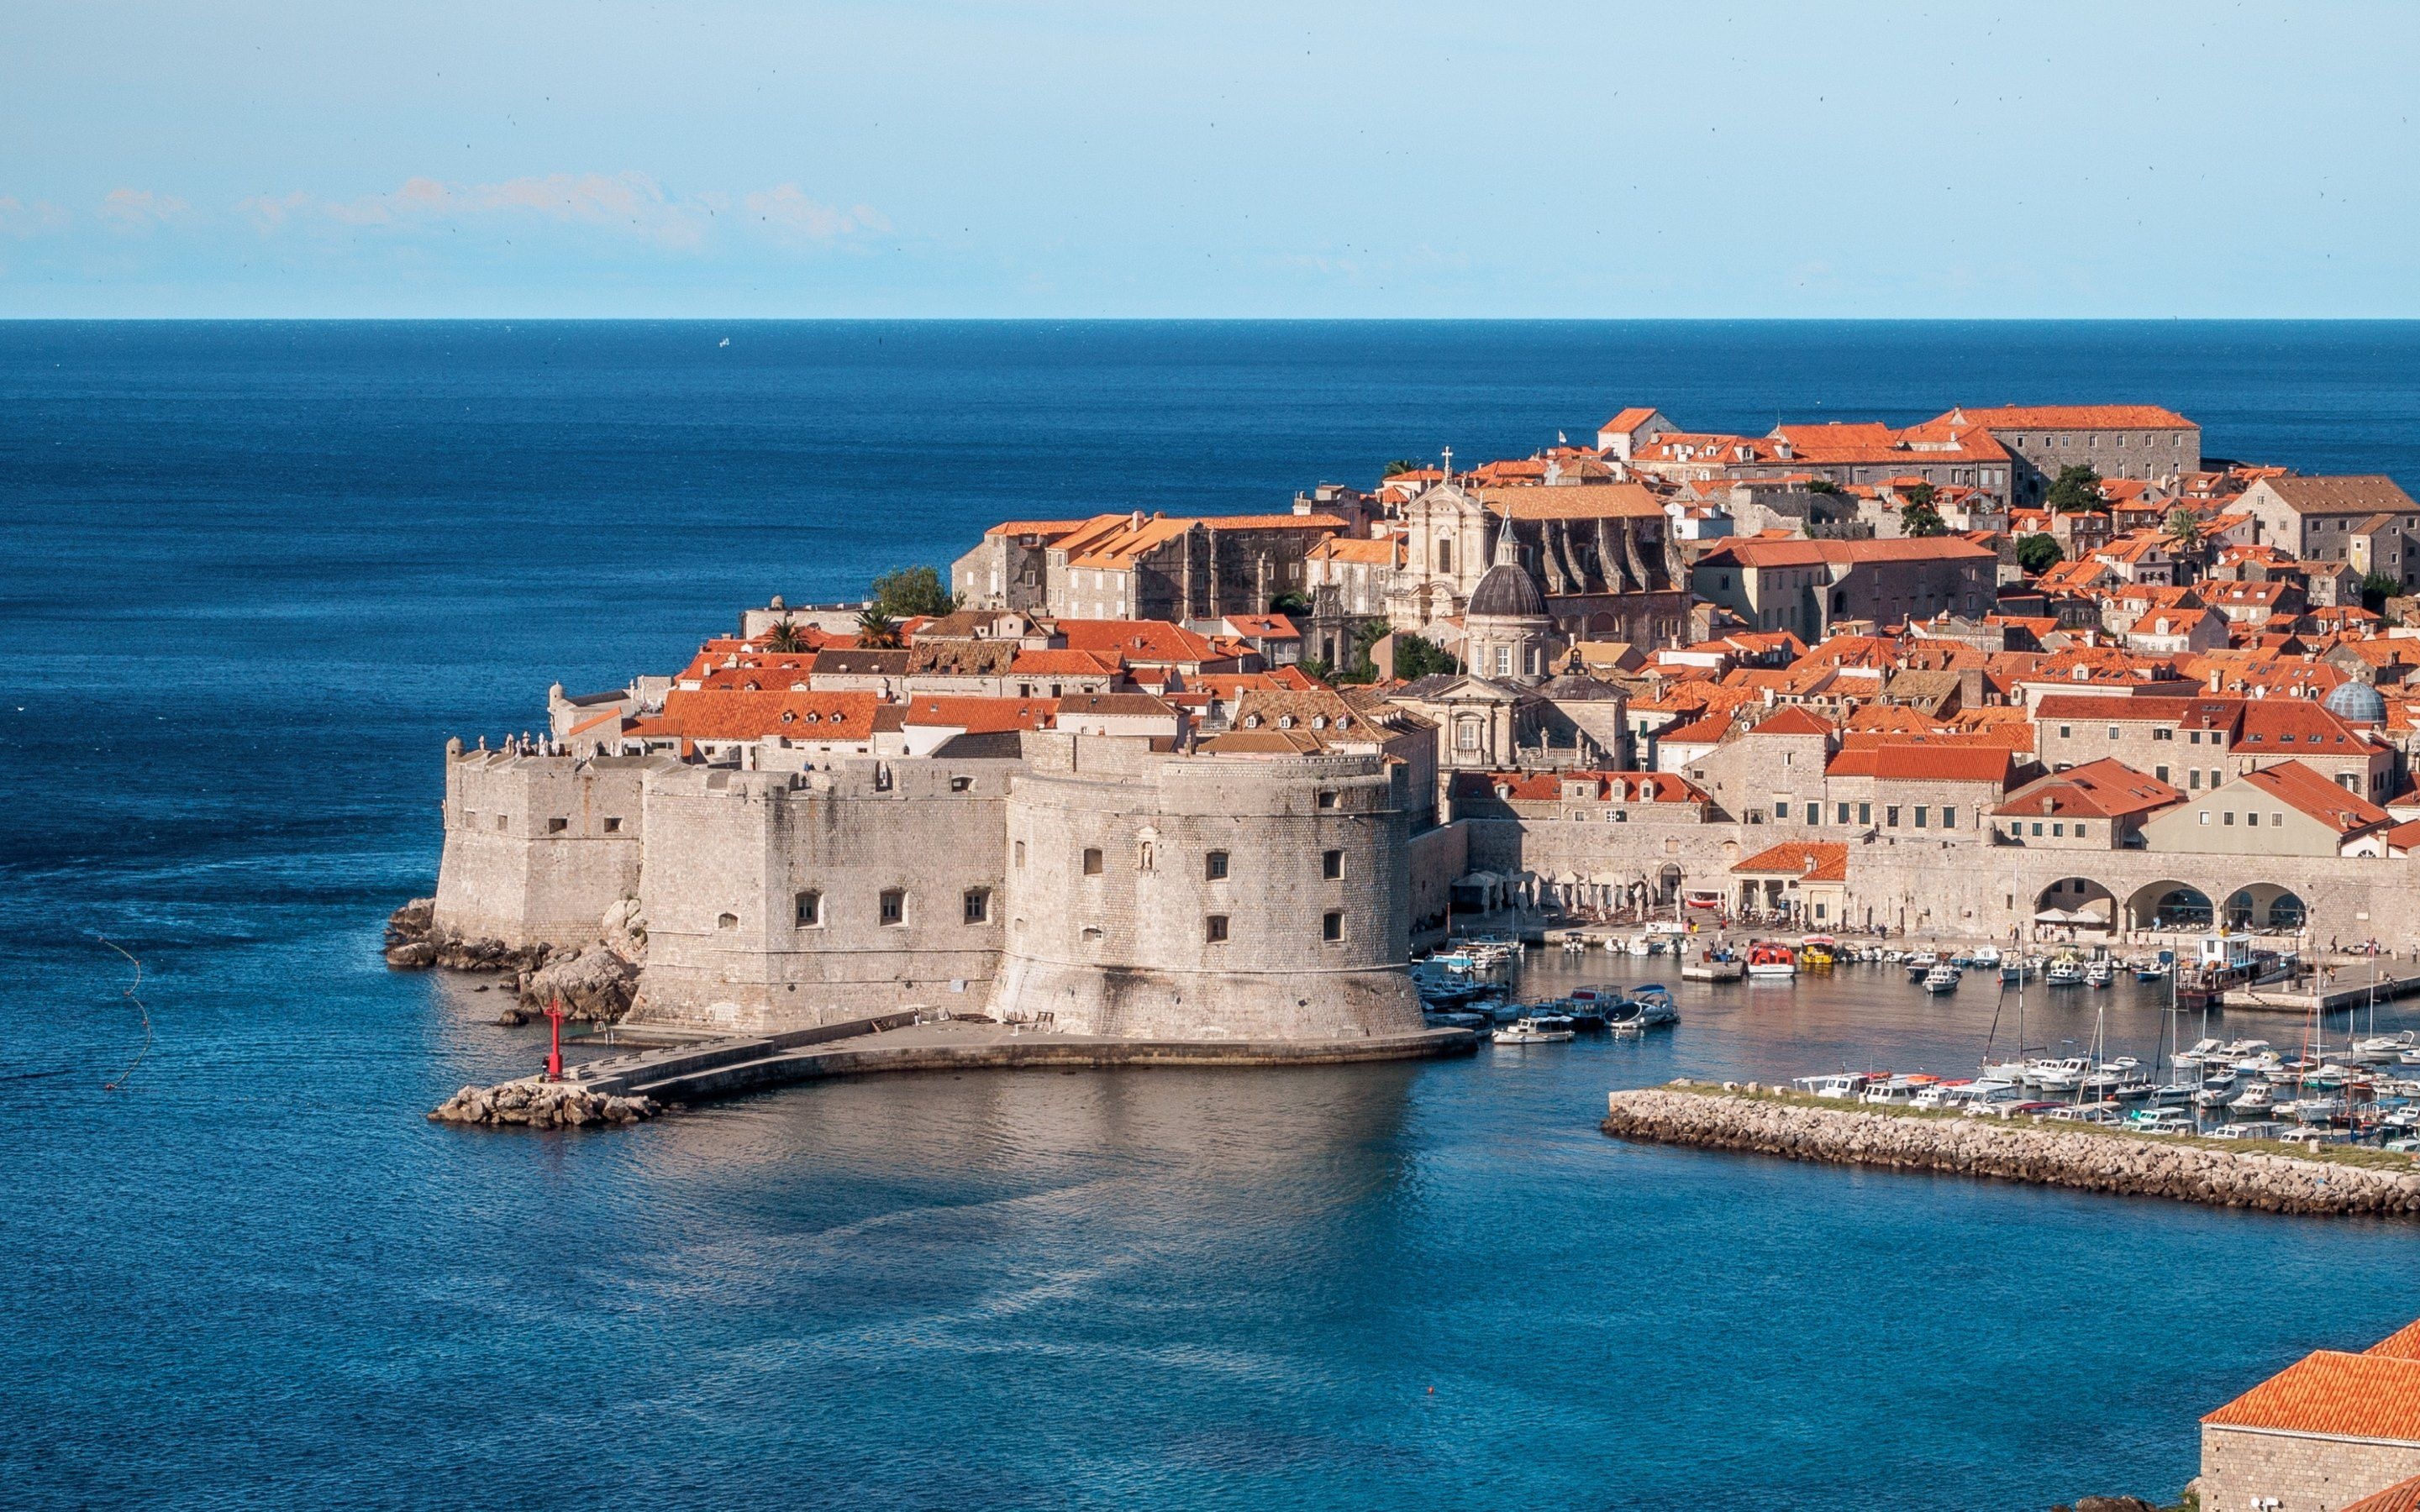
x: 713, y: 158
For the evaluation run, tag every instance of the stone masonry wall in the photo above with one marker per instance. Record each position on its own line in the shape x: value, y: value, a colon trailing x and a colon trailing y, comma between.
x: 537, y: 847
x: 2241, y: 1469
x: 1112, y: 889
x: 731, y: 854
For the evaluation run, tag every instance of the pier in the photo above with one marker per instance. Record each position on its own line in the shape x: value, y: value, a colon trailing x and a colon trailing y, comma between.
x: 702, y: 1069
x: 1757, y: 1120
x: 2282, y: 999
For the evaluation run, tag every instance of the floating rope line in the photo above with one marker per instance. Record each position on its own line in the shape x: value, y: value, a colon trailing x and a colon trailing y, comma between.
x: 121, y: 1079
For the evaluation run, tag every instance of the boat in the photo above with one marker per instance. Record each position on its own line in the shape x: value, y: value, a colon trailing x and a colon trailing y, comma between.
x: 1771, y: 958
x: 1986, y: 958
x: 1655, y: 996
x: 1896, y: 1091
x: 2098, y: 972
x: 2066, y: 971
x: 1529, y: 1031
x: 2087, y: 1113
x: 2159, y: 969
x: 1573, y: 945
x: 1815, y: 952
x: 2014, y: 969
x: 1451, y: 1018
x: 2381, y: 1048
x: 1636, y: 945
x: 1941, y: 979
x: 1653, y: 1008
x: 2160, y: 1121
x: 2257, y: 1098
x: 1918, y: 963
x: 1844, y: 1085
x: 2056, y: 1075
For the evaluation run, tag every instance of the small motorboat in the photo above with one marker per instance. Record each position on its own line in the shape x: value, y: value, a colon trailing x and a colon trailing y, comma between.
x: 2151, y: 970
x: 2098, y: 973
x: 1941, y: 979
x: 1918, y: 963
x: 2056, y: 1075
x: 2379, y: 1049
x: 2066, y: 971
x: 2257, y: 1098
x: 1771, y: 959
x: 1531, y: 1031
x: 1844, y: 1085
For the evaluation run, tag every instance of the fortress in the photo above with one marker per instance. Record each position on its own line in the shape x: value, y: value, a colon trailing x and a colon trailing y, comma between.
x: 1091, y: 885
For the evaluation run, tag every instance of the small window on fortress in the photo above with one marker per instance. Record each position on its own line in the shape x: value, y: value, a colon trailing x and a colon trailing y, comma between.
x: 810, y: 910
x: 556, y: 827
x: 500, y: 823
x: 1020, y: 853
x: 978, y: 905
x: 961, y: 784
x: 1215, y: 929
x: 1214, y: 868
x: 1327, y: 798
x: 895, y: 905
x: 612, y: 826
x: 727, y: 922
x: 1331, y: 926
x: 1331, y: 863
x: 1092, y: 861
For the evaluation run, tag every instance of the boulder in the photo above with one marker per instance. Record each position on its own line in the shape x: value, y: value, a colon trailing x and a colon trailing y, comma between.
x: 413, y: 955
x: 624, y: 930
x: 596, y: 985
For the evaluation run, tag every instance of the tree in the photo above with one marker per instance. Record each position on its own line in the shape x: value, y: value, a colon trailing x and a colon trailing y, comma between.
x: 2377, y: 589
x: 1401, y: 465
x: 876, y: 630
x: 908, y: 592
x: 2038, y: 554
x: 1416, y: 657
x: 1918, y: 517
x: 1290, y: 603
x: 1314, y: 667
x: 787, y: 636
x: 2186, y: 535
x: 2076, y: 490
x: 1819, y: 484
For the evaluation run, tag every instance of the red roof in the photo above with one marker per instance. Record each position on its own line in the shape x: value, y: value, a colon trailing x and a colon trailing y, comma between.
x: 1807, y: 860
x: 2332, y: 1395
x: 1139, y: 641
x: 1910, y: 761
x: 977, y: 716
x: 2403, y: 1496
x: 740, y: 714
x: 2298, y: 787
x: 1759, y: 552
x: 2073, y: 416
x: 1793, y: 720
x: 2105, y: 789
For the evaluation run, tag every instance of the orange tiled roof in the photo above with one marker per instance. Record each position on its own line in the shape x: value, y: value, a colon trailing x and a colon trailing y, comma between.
x: 2073, y: 416
x: 740, y: 714
x: 2403, y: 1496
x: 2334, y: 1395
x: 1806, y: 860
x: 2297, y: 786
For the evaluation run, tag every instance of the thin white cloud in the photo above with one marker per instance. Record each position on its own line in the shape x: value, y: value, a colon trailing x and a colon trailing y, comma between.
x: 139, y: 212
x: 22, y: 221
x: 625, y: 204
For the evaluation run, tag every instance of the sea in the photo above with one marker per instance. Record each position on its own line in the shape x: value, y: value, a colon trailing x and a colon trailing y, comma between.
x: 253, y: 575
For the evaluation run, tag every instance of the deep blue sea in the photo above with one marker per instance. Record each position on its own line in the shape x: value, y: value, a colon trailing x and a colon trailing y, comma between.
x: 255, y: 575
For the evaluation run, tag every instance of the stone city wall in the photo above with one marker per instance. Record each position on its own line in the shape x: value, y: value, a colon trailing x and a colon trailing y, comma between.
x: 1188, y: 898
x: 537, y: 847
x: 781, y: 901
x: 2241, y: 1468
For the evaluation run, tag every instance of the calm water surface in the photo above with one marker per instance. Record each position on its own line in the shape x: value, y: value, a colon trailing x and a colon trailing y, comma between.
x: 256, y: 574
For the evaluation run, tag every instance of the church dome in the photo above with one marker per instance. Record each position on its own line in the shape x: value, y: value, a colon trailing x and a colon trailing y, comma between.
x: 1506, y: 591
x: 2357, y: 702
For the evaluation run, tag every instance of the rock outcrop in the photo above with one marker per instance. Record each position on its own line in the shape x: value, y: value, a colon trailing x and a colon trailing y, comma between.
x: 624, y: 930
x: 413, y: 942
x: 594, y: 987
x: 2085, y: 1159
x: 541, y: 1106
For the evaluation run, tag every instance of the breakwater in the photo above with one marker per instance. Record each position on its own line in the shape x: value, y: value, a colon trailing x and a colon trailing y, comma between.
x: 1757, y: 1121
x: 542, y: 1105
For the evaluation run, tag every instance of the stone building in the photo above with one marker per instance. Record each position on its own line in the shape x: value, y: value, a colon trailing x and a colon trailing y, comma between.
x: 1807, y: 587
x: 2316, y: 520
x: 1139, y: 566
x: 2322, y: 1435
x: 2116, y: 440
x: 1608, y: 564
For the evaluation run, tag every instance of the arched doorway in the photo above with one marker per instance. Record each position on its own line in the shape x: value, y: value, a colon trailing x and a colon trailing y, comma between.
x: 2265, y: 905
x: 2076, y: 903
x: 2169, y: 904
x: 1668, y: 884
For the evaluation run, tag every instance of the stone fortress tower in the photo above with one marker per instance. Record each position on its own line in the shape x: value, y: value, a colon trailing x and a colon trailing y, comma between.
x: 1088, y: 884
x: 1165, y: 897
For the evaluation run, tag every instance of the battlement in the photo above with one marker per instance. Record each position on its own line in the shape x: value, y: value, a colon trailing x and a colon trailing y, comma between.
x: 537, y: 845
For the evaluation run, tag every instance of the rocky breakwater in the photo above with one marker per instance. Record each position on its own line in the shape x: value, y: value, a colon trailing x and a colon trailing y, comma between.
x: 1762, y: 1121
x: 542, y: 1105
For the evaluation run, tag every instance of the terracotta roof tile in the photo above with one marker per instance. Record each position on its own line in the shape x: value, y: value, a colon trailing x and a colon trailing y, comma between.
x: 2334, y: 1393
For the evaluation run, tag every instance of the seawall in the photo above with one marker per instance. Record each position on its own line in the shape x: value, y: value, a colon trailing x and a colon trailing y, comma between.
x: 2083, y: 1157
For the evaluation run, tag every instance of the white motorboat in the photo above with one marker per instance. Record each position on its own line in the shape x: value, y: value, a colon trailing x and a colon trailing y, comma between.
x: 1918, y: 963
x: 2381, y: 1048
x: 2064, y: 972
x: 1941, y: 979
x: 1844, y: 1085
x: 2257, y: 1098
x: 2056, y: 1075
x: 1986, y: 958
x: 1897, y: 1091
x: 1530, y: 1031
x: 2098, y: 973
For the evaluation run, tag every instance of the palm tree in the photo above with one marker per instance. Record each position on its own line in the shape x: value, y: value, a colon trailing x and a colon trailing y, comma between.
x: 787, y: 636
x: 876, y: 630
x: 2186, y: 533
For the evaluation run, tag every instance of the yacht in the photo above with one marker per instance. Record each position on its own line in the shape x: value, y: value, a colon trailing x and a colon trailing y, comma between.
x: 2381, y: 1048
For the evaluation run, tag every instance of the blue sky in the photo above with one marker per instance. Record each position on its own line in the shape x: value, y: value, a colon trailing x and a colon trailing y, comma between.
x: 709, y: 158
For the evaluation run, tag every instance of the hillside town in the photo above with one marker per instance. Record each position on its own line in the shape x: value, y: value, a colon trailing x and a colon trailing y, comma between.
x: 2011, y: 669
